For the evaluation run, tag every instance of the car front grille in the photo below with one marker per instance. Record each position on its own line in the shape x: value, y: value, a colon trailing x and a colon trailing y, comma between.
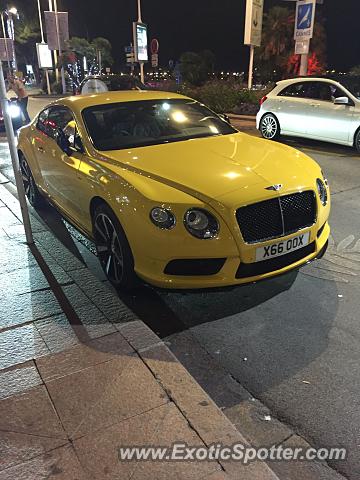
x: 277, y: 217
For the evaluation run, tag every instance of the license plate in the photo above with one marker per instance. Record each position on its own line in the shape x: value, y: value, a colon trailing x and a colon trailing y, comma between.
x: 282, y: 248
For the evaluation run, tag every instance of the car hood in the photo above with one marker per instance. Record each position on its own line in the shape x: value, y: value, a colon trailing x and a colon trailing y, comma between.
x: 216, y: 167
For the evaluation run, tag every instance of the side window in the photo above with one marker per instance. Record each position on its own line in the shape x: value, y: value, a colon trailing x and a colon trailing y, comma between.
x: 295, y: 90
x: 42, y: 121
x: 312, y: 90
x: 337, y: 92
x: 61, y: 119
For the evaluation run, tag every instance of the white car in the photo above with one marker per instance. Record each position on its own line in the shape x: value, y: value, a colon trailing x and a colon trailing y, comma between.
x: 317, y: 108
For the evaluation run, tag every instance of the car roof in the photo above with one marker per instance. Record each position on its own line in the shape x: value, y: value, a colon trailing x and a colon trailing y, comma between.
x: 80, y: 102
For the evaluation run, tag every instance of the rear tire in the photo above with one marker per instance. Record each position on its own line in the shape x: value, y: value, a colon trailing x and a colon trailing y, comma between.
x: 357, y: 141
x: 113, y: 249
x: 270, y: 127
x: 31, y: 190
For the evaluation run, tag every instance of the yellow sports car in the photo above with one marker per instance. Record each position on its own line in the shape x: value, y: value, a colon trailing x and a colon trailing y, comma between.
x: 171, y: 193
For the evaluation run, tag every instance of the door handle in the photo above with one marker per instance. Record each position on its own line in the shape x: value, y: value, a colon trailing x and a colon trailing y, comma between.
x: 314, y: 104
x: 41, y: 149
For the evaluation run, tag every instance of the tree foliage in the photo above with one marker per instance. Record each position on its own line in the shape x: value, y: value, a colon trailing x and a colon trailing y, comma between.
x: 275, y: 58
x: 77, y: 49
x: 195, y: 68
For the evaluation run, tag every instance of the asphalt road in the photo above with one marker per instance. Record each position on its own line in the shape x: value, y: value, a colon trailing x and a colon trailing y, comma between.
x: 292, y: 342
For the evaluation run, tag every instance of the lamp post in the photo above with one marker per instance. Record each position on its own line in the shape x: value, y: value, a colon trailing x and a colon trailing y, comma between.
x: 59, y: 44
x: 142, y: 77
x: 5, y: 36
x: 43, y: 41
x: 11, y: 12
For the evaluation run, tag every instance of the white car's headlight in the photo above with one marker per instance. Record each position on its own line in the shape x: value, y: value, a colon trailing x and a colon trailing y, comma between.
x: 14, y: 110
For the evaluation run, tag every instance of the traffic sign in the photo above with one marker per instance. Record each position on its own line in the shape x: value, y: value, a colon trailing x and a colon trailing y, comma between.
x: 302, y: 47
x: 253, y: 22
x: 52, y: 26
x: 154, y: 60
x: 304, y: 19
x: 154, y: 46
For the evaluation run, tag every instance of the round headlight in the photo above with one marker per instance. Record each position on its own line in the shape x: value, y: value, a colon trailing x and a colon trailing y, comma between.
x: 322, y: 191
x: 201, y: 224
x: 162, y: 218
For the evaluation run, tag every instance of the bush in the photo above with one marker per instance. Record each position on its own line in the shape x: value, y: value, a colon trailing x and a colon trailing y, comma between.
x: 222, y: 96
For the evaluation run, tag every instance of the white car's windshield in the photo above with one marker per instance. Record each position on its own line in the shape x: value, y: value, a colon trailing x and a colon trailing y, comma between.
x: 151, y: 122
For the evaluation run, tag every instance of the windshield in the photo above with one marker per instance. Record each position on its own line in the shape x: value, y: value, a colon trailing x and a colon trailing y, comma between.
x: 352, y: 84
x: 151, y: 122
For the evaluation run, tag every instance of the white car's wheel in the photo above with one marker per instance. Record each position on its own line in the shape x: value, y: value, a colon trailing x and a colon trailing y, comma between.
x: 269, y: 127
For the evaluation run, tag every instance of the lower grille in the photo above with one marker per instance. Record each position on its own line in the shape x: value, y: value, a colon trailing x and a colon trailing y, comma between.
x: 197, y: 266
x: 246, y: 270
x: 277, y: 217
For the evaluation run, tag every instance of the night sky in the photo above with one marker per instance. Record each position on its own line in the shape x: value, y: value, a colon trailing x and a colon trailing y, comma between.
x: 203, y: 24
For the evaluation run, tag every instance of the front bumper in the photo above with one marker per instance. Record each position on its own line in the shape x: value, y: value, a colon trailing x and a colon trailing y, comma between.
x: 152, y: 270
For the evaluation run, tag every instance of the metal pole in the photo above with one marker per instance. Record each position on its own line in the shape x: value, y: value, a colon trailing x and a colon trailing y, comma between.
x: 43, y: 41
x: 100, y: 62
x: 15, y: 159
x: 41, y: 22
x: 59, y: 44
x: 12, y: 31
x: 54, y: 51
x: 142, y: 76
x: 6, y: 45
x: 304, y: 64
x: 251, y: 67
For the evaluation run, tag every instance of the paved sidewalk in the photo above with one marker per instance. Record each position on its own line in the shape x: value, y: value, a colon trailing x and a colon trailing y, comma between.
x: 81, y: 376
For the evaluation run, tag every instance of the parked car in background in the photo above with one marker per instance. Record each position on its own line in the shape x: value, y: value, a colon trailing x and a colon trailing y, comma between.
x: 111, y: 82
x: 325, y: 109
x: 171, y: 193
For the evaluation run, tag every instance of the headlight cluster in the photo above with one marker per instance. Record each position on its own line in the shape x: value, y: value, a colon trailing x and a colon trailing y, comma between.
x: 198, y: 222
x: 322, y: 191
x: 162, y: 218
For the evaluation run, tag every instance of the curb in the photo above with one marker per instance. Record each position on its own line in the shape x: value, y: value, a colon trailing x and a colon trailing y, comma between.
x: 199, y: 410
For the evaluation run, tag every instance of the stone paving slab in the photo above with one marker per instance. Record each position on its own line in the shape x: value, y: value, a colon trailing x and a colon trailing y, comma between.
x: 104, y: 394
x: 201, y: 411
x: 59, y: 334
x: 59, y: 464
x: 28, y: 307
x: 29, y: 427
x: 20, y: 345
x: 110, y: 305
x: 10, y: 261
x: 18, y: 379
x: 28, y: 280
x: 161, y: 426
x: 83, y: 356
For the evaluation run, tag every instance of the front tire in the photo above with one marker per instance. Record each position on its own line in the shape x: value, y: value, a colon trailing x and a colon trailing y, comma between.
x: 357, y: 141
x: 113, y: 249
x: 31, y: 189
x: 269, y: 127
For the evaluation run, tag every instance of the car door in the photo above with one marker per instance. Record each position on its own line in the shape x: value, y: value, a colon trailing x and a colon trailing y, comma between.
x: 327, y: 121
x: 292, y: 108
x: 59, y: 167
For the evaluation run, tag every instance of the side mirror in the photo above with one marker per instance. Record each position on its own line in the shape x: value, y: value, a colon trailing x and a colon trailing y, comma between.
x: 342, y: 101
x: 224, y: 117
x: 63, y: 142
